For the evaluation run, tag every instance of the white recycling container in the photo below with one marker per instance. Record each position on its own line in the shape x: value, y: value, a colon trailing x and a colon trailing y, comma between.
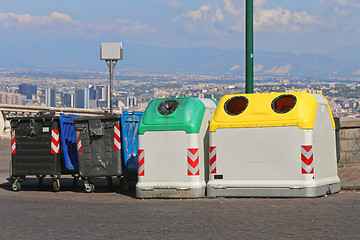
x: 173, y: 155
x: 272, y: 145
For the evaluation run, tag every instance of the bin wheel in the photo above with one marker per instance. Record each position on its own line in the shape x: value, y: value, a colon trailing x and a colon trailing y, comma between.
x: 75, y: 181
x: 41, y: 183
x: 124, y: 185
x: 109, y: 181
x: 90, y: 188
x: 16, y: 186
x: 56, y: 185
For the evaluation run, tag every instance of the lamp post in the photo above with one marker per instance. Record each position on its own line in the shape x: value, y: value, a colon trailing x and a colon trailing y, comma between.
x: 111, y: 53
x: 249, y: 47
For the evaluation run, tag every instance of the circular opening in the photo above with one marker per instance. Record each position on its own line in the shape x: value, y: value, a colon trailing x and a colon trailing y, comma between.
x: 168, y: 107
x: 235, y: 105
x: 283, y: 103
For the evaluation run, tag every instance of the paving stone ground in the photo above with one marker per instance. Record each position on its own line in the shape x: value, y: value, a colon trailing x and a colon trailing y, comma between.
x: 110, y: 214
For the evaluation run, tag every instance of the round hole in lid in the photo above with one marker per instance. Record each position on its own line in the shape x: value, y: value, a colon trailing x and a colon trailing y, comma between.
x: 283, y: 103
x: 235, y: 105
x: 168, y: 107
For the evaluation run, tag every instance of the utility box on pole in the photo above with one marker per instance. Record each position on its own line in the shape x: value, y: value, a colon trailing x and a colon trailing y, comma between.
x: 111, y: 53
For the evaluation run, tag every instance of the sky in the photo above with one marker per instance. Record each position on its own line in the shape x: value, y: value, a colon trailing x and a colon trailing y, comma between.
x: 297, y: 26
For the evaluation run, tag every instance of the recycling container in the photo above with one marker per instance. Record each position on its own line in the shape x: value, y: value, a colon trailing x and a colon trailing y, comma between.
x: 272, y: 145
x: 98, y: 147
x: 173, y: 135
x: 69, y: 154
x: 129, y: 146
x: 35, y: 148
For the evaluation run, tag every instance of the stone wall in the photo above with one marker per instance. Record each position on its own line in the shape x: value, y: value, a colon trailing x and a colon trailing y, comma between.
x: 348, y: 140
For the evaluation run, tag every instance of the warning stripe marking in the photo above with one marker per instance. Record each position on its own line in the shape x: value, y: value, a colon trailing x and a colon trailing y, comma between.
x: 141, y: 162
x: 307, y: 159
x: 212, y: 159
x: 55, y: 141
x: 193, y: 162
x: 78, y: 142
x: 117, y: 138
x: 13, y: 142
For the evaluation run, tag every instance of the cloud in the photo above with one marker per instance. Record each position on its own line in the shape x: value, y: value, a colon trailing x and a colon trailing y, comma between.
x: 283, y: 20
x: 231, y: 8
x: 173, y: 4
x: 197, y: 14
x: 8, y: 20
x: 204, y: 20
x: 62, y: 23
x: 341, y: 12
x: 228, y: 17
x: 344, y: 3
x: 123, y: 26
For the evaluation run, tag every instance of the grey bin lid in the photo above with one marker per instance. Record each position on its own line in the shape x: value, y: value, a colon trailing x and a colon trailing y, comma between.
x: 105, y: 117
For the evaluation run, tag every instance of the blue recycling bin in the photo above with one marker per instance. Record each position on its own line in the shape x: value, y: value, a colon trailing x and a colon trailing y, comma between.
x: 129, y: 142
x: 69, y: 154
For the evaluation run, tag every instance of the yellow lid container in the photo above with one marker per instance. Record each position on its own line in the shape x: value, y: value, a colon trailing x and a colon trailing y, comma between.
x: 266, y: 110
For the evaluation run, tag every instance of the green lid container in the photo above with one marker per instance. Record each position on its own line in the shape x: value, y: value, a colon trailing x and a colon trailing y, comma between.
x: 173, y: 114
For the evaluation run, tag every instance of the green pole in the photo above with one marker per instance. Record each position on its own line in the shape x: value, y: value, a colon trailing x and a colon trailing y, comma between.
x: 249, y: 42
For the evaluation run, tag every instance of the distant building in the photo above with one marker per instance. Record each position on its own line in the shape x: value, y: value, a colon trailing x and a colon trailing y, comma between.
x: 103, y: 96
x: 92, y: 92
x: 131, y: 101
x: 50, y: 96
x: 92, y: 96
x: 28, y: 90
x: 67, y: 100
x: 11, y: 98
x: 80, y: 98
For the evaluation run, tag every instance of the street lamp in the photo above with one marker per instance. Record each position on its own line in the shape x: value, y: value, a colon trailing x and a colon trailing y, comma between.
x: 111, y: 53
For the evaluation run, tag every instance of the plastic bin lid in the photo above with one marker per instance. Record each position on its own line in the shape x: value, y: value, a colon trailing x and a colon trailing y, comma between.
x: 104, y: 117
x: 173, y: 114
x: 266, y: 110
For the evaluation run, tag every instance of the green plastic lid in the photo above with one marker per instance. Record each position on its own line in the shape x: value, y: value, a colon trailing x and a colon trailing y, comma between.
x: 173, y: 114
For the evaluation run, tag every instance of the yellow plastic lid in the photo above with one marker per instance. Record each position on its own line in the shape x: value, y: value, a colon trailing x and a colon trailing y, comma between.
x: 266, y: 110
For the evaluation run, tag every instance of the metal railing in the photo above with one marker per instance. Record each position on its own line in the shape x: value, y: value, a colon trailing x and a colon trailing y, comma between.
x: 20, y: 110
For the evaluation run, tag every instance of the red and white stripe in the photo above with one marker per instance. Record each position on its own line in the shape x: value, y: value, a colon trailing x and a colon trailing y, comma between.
x: 55, y: 141
x: 212, y: 159
x: 307, y: 159
x: 78, y: 142
x: 193, y: 162
x: 13, y: 142
x: 141, y: 162
x: 117, y: 138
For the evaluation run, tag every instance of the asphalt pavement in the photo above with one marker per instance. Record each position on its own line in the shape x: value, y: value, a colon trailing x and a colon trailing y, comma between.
x: 110, y: 214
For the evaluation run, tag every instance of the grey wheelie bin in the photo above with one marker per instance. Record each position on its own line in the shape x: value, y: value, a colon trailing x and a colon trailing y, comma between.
x: 99, y: 148
x: 35, y: 149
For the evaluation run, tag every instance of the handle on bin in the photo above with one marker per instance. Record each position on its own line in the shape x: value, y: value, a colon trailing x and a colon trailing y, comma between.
x: 109, y: 124
x: 14, y: 124
x: 47, y: 123
x: 32, y: 127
